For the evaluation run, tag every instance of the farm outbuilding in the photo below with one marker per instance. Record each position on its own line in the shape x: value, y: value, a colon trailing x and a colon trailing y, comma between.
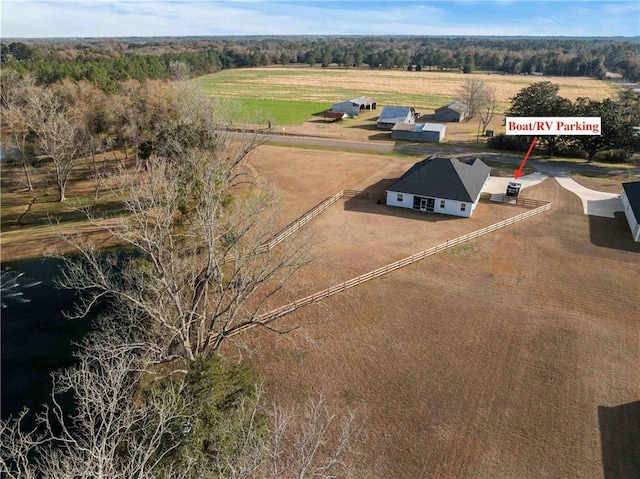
x: 440, y: 185
x: 420, y: 132
x: 630, y: 198
x: 355, y: 106
x: 454, y: 111
x: 335, y: 115
x: 396, y: 115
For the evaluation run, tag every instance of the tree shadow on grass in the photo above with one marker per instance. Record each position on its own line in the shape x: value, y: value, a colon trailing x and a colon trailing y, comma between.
x: 612, y: 233
x: 372, y: 200
x: 620, y: 440
x: 35, y: 218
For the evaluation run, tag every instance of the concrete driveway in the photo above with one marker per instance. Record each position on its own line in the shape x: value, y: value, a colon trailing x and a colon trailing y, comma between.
x: 594, y: 203
x: 499, y: 185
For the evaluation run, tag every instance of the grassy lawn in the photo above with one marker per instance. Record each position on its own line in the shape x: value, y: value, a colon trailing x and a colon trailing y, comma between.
x: 281, y: 112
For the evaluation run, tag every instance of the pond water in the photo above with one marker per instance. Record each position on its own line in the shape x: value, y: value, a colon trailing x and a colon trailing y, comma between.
x: 36, y: 337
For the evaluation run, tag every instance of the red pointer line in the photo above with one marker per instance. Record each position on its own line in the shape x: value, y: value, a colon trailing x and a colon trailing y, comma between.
x: 518, y: 172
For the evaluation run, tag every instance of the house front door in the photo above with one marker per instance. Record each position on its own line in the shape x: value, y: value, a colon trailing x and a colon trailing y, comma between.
x: 423, y: 204
x: 431, y: 203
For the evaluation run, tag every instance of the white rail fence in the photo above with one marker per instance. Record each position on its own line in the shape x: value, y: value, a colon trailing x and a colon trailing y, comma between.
x: 284, y: 310
x: 303, y: 220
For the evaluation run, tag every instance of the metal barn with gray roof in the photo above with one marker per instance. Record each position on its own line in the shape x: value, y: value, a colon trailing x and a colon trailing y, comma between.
x: 396, y: 115
x: 419, y: 132
x: 440, y: 185
x: 454, y: 111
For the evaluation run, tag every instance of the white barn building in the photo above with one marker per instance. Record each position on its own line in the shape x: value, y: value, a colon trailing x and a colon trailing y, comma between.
x: 440, y: 185
x: 630, y: 198
x: 355, y: 106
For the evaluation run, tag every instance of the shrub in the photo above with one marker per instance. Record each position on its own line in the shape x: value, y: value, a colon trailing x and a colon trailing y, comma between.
x: 509, y: 143
x: 613, y: 156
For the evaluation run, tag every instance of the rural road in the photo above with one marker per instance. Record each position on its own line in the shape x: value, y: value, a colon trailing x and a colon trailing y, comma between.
x: 595, y: 203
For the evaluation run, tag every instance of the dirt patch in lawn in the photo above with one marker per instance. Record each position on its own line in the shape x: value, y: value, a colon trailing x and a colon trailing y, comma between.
x: 474, y: 363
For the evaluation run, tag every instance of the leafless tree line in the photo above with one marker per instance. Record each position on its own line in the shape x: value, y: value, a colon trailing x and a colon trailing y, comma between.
x: 194, y: 223
x: 480, y: 97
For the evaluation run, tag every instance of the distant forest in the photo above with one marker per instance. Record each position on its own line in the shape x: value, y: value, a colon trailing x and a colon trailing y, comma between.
x: 106, y: 62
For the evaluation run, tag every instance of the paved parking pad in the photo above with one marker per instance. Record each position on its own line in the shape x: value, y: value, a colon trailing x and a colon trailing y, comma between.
x: 499, y: 185
x: 594, y: 203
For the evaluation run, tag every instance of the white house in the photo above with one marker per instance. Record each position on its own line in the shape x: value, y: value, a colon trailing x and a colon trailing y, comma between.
x: 630, y: 198
x: 440, y: 185
x: 396, y: 115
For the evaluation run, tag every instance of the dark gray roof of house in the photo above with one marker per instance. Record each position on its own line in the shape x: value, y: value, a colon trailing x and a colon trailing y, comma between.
x: 455, y: 106
x: 446, y: 178
x: 394, y: 114
x: 632, y: 191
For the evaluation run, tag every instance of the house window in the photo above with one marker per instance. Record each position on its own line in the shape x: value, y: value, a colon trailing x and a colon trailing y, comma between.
x: 399, y: 197
x: 441, y: 203
x: 463, y: 206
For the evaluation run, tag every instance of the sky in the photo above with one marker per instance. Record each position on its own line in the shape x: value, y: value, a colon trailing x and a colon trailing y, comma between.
x: 119, y: 18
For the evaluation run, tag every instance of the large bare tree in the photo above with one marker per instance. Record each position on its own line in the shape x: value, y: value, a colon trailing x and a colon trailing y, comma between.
x: 475, y: 93
x: 487, y: 109
x: 113, y: 431
x: 16, y: 125
x: 197, y: 222
x: 57, y: 131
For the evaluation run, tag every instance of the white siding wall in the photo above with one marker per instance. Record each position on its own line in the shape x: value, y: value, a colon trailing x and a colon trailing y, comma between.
x: 451, y: 207
x: 631, y: 218
x: 346, y: 107
x: 405, y: 202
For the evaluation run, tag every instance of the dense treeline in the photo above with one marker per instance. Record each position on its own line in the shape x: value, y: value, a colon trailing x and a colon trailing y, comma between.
x: 617, y: 141
x: 104, y: 62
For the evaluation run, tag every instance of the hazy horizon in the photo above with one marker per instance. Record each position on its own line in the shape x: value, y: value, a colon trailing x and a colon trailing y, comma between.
x: 60, y: 19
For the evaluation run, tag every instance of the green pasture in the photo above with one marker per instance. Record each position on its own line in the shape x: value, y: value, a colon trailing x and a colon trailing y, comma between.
x: 279, y: 112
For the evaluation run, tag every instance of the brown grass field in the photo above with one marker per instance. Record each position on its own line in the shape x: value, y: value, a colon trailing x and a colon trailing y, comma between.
x: 513, y: 356
x: 420, y: 89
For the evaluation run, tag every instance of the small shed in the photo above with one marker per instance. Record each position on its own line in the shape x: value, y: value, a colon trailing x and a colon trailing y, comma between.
x: 396, y: 115
x: 630, y: 198
x: 335, y: 115
x: 420, y: 132
x: 454, y: 111
x: 355, y: 106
